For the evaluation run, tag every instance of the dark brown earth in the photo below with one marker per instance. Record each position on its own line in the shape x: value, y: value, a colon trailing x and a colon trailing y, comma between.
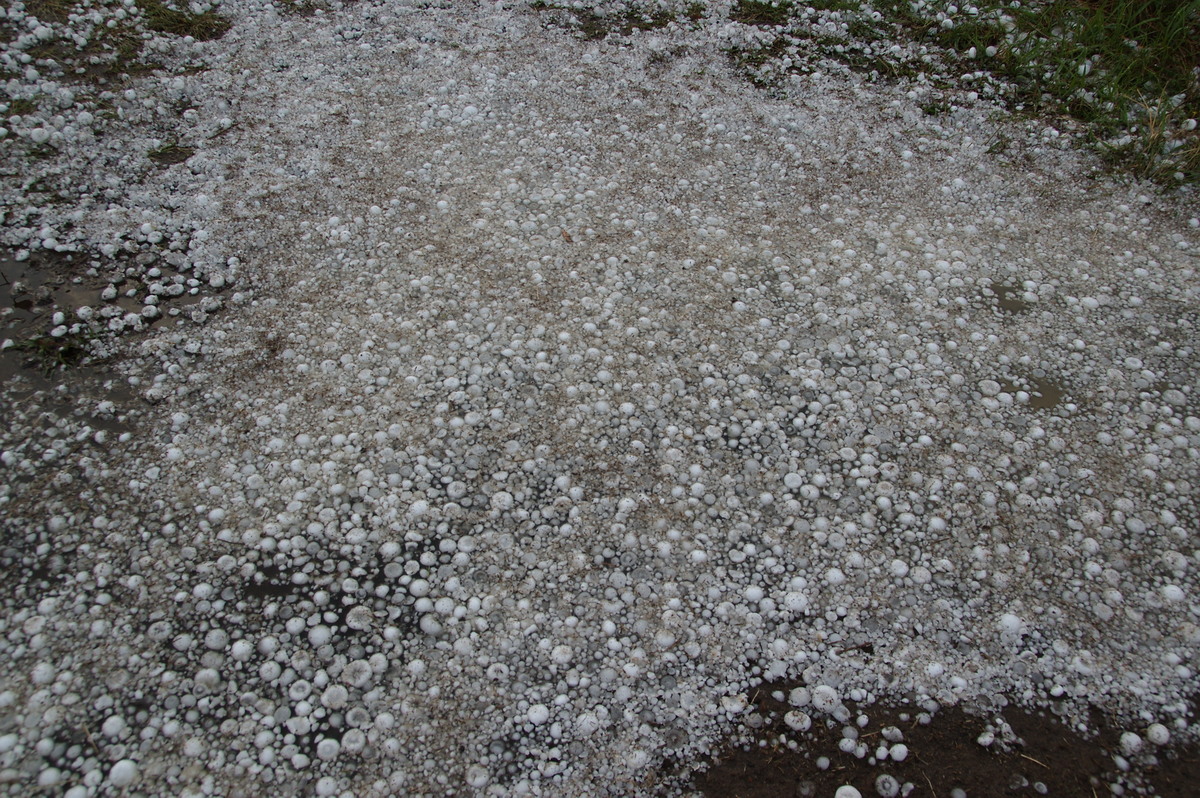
x: 944, y: 755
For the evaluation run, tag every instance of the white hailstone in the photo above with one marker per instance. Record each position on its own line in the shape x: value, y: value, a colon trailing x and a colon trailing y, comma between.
x: 300, y: 690
x: 354, y: 741
x: 1130, y: 743
x: 43, y: 673
x: 358, y: 673
x: 921, y: 575
x: 793, y: 480
x: 113, y: 726
x: 891, y: 734
x: 898, y: 752
x: 934, y: 669
x: 418, y: 508
x: 208, y: 677
x: 538, y: 714
x: 989, y: 388
x: 986, y: 738
x: 319, y: 635
x: 587, y: 724
x: 418, y: 588
x: 359, y: 618
x: 241, y: 650
x: 847, y: 791
x: 899, y: 569
x: 502, y: 500
x: 1158, y: 734
x: 216, y: 639
x: 825, y: 698
x: 430, y: 625
x: 326, y: 786
x: 561, y: 655
x: 123, y: 773
x: 1172, y: 593
x: 1010, y: 624
x: 734, y: 704
x: 328, y: 749
x: 799, y: 697
x: 754, y: 594
x: 795, y: 601
x: 835, y: 577
x: 477, y: 777
x: 887, y: 786
x: 335, y: 697
x: 797, y: 720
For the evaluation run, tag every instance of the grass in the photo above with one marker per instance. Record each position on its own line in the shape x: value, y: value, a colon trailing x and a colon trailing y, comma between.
x: 593, y: 26
x: 50, y: 10
x: 21, y: 107
x: 162, y: 18
x: 170, y: 154
x: 1128, y: 71
x: 300, y: 8
x: 51, y: 354
x: 762, y: 12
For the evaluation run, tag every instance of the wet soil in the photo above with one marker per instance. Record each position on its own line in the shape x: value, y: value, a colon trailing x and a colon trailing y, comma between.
x: 1047, y: 757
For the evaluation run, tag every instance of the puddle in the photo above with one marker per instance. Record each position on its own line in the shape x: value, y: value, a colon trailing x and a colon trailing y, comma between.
x: 1043, y: 394
x: 1006, y: 298
x: 33, y: 290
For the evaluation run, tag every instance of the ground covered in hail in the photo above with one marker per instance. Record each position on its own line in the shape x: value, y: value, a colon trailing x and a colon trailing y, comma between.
x: 452, y: 398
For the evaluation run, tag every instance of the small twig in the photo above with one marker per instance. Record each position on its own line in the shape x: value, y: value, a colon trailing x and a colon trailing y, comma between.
x: 930, y: 783
x: 1031, y: 759
x: 91, y: 739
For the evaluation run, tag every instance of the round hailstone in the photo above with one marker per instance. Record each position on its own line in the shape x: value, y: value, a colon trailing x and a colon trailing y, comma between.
x: 846, y: 791
x: 825, y: 698
x: 328, y: 749
x: 319, y: 635
x: 898, y: 752
x: 360, y: 618
x: 1130, y: 743
x: 358, y: 673
x: 798, y: 721
x: 795, y: 601
x: 793, y: 480
x: 1010, y: 624
x: 335, y: 697
x: 887, y: 786
x: 477, y: 777
x: 123, y: 773
x: 1158, y: 734
x: 538, y: 714
x: 799, y: 697
x: 113, y: 726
